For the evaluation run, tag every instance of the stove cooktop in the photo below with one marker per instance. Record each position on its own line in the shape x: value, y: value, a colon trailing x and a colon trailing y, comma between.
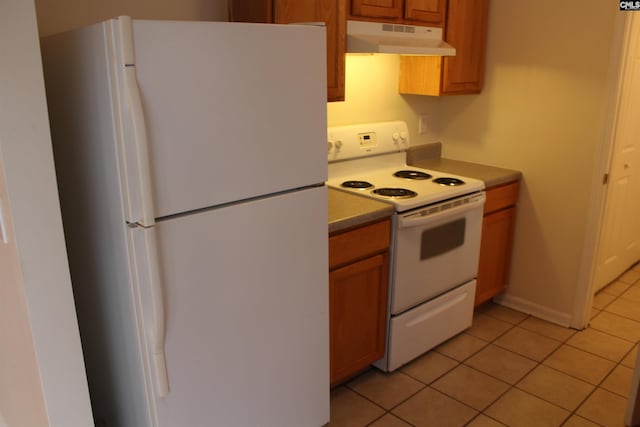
x: 405, y: 193
x: 369, y: 160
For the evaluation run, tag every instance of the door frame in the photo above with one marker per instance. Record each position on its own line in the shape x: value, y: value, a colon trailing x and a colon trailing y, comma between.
x: 617, y: 63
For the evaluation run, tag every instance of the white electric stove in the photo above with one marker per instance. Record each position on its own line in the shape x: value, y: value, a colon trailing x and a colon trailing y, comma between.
x: 435, y: 236
x: 370, y: 160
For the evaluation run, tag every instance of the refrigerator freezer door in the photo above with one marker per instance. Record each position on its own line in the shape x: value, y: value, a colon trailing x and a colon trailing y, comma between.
x: 232, y: 110
x: 246, y: 314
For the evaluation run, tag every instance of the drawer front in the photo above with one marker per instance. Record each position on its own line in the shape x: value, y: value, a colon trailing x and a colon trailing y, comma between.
x: 359, y: 243
x: 501, y: 197
x: 424, y: 327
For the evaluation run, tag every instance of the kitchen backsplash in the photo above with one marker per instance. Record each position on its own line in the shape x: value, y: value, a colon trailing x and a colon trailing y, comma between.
x: 372, y: 96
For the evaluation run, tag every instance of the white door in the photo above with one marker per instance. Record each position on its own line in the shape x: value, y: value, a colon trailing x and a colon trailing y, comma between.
x: 620, y: 234
x: 245, y: 291
x: 238, y: 108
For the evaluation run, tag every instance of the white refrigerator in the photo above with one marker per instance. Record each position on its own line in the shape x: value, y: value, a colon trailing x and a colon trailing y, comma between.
x: 191, y: 162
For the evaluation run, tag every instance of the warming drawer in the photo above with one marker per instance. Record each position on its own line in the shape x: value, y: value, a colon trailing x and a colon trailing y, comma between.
x: 424, y: 327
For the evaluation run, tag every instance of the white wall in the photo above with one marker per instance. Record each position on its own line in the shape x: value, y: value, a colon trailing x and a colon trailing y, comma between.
x: 372, y: 95
x: 42, y: 380
x: 540, y: 112
x: 55, y: 16
x: 21, y: 399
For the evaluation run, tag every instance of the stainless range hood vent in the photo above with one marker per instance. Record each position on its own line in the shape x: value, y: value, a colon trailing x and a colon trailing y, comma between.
x: 375, y: 37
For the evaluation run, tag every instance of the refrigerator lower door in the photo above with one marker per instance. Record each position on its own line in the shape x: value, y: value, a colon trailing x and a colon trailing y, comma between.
x: 245, y: 302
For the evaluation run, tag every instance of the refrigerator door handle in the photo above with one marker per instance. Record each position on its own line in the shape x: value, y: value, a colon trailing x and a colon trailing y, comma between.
x: 136, y: 112
x: 156, y: 335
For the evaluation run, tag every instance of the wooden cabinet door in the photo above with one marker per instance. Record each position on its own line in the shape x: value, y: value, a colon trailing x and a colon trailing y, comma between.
x: 388, y: 9
x: 466, y: 30
x: 357, y: 305
x: 251, y: 11
x: 495, y: 254
x: 431, y: 12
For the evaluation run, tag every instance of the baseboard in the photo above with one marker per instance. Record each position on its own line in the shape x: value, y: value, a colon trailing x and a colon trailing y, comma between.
x: 537, y: 310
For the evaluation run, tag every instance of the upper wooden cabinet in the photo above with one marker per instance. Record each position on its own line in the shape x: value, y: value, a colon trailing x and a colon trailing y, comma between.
x: 466, y: 30
x: 331, y: 12
x: 431, y: 12
x: 390, y: 10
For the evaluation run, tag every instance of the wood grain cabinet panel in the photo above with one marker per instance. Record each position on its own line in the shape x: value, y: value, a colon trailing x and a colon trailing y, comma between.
x: 359, y: 243
x: 331, y: 12
x: 358, y: 288
x: 428, y: 11
x: 497, y: 240
x: 418, y: 12
x: 358, y: 303
x: 389, y: 9
x: 466, y: 30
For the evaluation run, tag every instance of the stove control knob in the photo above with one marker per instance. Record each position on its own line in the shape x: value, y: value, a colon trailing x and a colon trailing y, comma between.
x: 403, y: 136
x: 338, y: 144
x: 395, y: 137
x: 329, y: 146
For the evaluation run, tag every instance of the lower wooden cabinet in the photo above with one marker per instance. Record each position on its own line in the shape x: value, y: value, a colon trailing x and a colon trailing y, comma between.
x: 496, y: 243
x: 358, y: 287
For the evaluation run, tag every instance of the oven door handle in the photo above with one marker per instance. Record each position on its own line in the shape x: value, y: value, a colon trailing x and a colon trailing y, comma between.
x: 432, y: 214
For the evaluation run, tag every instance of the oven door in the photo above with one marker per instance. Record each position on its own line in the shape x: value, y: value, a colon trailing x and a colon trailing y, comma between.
x: 436, y: 249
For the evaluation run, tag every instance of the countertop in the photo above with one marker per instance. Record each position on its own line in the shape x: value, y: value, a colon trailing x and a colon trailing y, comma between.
x: 349, y: 210
x: 428, y: 157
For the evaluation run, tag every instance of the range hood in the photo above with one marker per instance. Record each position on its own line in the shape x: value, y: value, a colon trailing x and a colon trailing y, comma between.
x: 377, y: 37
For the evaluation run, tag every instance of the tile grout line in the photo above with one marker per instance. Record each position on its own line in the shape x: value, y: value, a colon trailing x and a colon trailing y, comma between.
x: 538, y: 363
x: 541, y: 362
x: 459, y: 363
x: 563, y: 342
x: 604, y: 378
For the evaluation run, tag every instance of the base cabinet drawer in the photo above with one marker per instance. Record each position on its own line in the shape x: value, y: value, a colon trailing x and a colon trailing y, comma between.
x: 357, y: 244
x: 424, y: 327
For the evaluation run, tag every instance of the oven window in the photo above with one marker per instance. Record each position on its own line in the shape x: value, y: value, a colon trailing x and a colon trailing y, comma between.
x: 441, y: 239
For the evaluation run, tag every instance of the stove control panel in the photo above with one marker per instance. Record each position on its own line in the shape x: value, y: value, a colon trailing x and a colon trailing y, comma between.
x: 367, y: 139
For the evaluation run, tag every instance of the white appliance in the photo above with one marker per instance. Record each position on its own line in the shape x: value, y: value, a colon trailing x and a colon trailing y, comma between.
x: 384, y: 37
x: 435, y: 237
x: 191, y: 168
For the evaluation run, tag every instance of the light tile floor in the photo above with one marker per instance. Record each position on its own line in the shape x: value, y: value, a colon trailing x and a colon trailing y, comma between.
x: 510, y: 369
